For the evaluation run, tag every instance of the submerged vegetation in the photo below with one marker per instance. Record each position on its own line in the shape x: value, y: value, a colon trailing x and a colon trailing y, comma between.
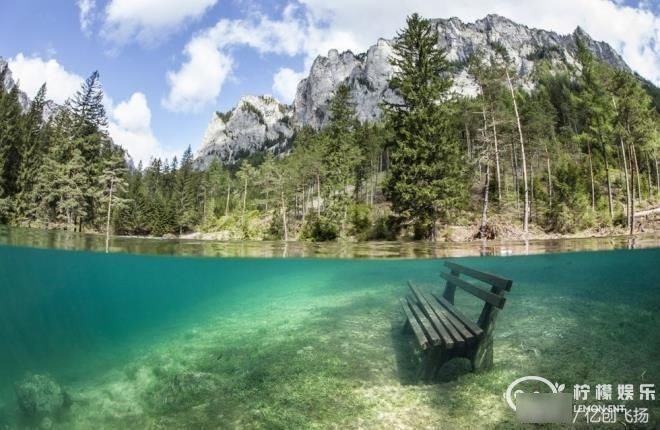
x: 326, y: 349
x: 576, y: 149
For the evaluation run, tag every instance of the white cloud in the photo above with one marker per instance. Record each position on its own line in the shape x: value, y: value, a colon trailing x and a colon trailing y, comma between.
x: 312, y: 27
x: 130, y: 127
x: 285, y: 83
x: 86, y: 14
x: 129, y: 121
x: 200, y: 79
x: 149, y: 21
x: 32, y: 72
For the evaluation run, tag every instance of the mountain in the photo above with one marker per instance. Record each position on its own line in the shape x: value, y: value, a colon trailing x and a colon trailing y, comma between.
x: 269, y: 125
x: 50, y: 107
x: 255, y: 123
x: 9, y: 84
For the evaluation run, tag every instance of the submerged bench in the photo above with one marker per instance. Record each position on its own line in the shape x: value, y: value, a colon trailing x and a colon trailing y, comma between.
x: 444, y: 332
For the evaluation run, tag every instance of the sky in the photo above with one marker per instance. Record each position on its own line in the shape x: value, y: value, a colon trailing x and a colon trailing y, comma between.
x: 167, y: 65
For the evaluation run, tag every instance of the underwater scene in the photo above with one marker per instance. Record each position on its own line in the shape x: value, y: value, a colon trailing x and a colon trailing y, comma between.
x: 126, y: 341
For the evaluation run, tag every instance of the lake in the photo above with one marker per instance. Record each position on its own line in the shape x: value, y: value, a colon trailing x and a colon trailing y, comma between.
x: 187, y: 334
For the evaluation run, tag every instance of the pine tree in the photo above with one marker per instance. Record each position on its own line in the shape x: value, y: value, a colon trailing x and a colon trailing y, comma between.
x: 185, y: 193
x: 246, y: 175
x: 426, y: 181
x: 11, y: 142
x: 341, y: 154
x: 36, y: 140
x: 89, y: 130
x: 635, y: 128
x: 595, y: 104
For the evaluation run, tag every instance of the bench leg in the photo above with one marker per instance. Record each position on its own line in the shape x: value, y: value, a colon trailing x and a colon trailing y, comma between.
x: 482, y: 357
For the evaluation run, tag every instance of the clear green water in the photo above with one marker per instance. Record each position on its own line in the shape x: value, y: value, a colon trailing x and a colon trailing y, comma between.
x: 187, y: 342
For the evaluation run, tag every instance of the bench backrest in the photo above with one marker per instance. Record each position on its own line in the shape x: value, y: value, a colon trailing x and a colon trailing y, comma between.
x: 494, y: 297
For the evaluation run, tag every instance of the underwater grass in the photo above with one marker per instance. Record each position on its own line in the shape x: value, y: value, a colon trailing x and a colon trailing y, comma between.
x: 330, y: 352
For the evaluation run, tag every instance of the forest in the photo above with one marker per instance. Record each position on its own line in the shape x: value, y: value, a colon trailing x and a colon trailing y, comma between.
x: 575, y: 150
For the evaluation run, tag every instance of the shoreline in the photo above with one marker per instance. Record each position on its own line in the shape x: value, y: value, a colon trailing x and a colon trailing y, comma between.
x: 401, y: 249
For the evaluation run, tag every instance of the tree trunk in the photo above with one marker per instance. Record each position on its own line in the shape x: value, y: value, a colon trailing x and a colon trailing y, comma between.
x: 107, y: 224
x: 204, y: 207
x: 434, y: 228
x: 244, y: 201
x: 522, y: 156
x: 632, y: 201
x: 303, y: 203
x: 227, y: 203
x: 484, y: 212
x: 467, y: 141
x: 318, y: 195
x: 609, y: 181
x: 648, y: 174
x: 532, y: 208
x: 657, y: 177
x: 625, y: 171
x: 591, y: 175
x: 514, y: 174
x: 283, y: 208
x: 639, y: 183
x: 497, y: 160
x: 547, y: 158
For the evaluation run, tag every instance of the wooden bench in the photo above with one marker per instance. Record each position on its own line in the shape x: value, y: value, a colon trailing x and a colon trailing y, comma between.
x: 444, y: 332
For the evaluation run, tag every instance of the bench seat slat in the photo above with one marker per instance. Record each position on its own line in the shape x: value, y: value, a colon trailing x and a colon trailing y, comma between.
x: 426, y: 325
x: 487, y: 296
x: 419, y: 334
x: 457, y: 328
x: 495, y: 281
x: 447, y: 338
x: 472, y: 326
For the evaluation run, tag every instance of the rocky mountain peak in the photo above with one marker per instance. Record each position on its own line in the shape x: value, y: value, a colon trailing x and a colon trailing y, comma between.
x: 243, y: 131
x: 256, y: 123
x: 9, y: 83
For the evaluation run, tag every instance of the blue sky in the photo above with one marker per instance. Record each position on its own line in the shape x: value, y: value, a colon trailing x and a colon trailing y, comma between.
x: 167, y: 65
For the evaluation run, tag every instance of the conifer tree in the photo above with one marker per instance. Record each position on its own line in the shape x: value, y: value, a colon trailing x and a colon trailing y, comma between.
x: 595, y: 104
x: 426, y: 181
x: 36, y: 137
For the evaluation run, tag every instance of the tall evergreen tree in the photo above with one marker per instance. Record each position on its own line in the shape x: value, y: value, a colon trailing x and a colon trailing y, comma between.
x: 89, y: 129
x: 594, y: 101
x: 426, y: 181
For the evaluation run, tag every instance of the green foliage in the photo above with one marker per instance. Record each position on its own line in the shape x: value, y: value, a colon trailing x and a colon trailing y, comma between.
x: 590, y: 132
x: 360, y: 218
x: 319, y: 229
x: 426, y: 180
x: 571, y: 213
x: 385, y: 228
x: 224, y: 116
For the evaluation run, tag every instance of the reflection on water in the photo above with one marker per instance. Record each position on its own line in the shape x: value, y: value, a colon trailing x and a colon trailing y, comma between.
x: 395, y: 249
